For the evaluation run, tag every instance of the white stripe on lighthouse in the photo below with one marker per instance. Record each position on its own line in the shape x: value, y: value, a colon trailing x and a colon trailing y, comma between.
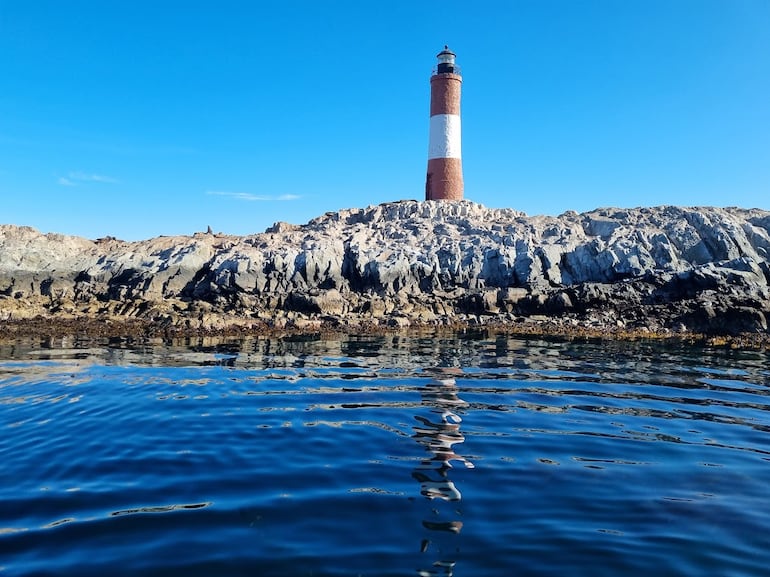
x: 444, y: 136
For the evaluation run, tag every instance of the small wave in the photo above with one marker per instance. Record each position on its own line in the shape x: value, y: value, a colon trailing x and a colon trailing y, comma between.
x: 159, y: 509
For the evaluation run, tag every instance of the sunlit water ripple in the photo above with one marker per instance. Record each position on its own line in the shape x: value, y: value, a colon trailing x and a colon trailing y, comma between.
x: 465, y: 455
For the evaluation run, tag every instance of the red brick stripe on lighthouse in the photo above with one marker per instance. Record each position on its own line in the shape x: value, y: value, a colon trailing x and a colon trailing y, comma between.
x: 445, y: 94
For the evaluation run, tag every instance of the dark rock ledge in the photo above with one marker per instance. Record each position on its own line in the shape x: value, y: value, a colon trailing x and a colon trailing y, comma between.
x: 623, y: 272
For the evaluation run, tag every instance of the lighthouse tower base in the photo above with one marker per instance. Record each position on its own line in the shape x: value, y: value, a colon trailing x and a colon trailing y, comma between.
x: 444, y: 180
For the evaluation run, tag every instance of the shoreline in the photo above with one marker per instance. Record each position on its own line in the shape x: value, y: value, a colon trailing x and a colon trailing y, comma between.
x: 696, y: 273
x: 143, y: 330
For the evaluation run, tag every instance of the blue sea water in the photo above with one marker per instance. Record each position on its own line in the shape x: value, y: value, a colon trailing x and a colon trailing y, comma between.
x: 465, y: 455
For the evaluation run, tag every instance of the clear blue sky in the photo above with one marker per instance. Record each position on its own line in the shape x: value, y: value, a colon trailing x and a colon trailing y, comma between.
x: 150, y: 117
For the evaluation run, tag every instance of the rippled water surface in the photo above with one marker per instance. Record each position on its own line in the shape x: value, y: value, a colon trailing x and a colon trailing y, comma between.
x: 465, y: 455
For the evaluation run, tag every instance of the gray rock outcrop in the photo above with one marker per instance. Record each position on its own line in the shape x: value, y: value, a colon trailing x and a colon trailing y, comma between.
x: 650, y: 269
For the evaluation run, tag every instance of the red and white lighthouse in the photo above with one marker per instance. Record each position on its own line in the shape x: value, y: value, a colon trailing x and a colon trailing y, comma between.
x: 445, y: 169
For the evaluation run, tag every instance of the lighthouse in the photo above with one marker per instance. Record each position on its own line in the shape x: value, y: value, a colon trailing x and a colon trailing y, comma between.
x: 445, y: 170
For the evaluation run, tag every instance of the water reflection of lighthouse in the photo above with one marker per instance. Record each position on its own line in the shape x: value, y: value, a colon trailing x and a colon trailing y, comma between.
x: 438, y: 435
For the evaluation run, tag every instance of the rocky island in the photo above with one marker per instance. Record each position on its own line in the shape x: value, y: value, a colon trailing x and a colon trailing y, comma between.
x: 661, y: 270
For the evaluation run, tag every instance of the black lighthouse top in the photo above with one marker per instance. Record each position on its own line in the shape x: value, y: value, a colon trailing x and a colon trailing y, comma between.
x: 446, y: 62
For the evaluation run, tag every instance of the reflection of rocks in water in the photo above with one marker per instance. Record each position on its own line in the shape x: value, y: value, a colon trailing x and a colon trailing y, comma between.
x: 451, y: 526
x: 442, y: 568
x: 438, y: 435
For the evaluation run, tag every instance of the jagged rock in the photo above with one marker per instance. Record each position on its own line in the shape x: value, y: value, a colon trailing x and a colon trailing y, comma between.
x: 404, y: 262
